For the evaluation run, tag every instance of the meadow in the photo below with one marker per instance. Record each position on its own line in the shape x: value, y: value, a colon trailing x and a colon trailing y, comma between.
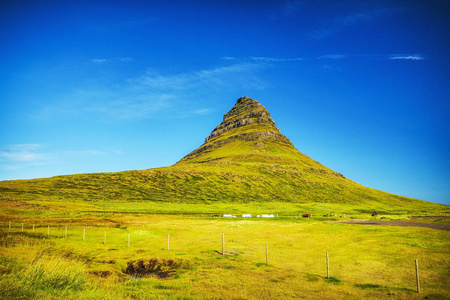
x: 160, y: 256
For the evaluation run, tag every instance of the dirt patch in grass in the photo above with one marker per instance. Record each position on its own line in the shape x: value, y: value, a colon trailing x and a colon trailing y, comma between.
x: 161, y: 268
x: 102, y: 274
x: 111, y: 261
x: 14, y: 204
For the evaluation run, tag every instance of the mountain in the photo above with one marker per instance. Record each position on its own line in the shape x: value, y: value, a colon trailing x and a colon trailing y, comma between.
x: 245, y: 159
x: 248, y: 121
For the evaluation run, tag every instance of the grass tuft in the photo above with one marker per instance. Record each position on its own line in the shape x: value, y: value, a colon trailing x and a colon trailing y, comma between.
x: 365, y: 286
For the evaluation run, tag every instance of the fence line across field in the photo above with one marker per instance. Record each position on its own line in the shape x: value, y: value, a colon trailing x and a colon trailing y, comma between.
x: 223, y: 249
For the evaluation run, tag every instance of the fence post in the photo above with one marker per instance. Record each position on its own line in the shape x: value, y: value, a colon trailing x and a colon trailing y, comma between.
x: 417, y: 276
x: 223, y: 243
x: 328, y: 266
x: 267, y: 255
x: 48, y: 230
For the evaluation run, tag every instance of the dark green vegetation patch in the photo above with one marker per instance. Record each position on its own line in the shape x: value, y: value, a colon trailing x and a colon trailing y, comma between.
x: 159, y: 268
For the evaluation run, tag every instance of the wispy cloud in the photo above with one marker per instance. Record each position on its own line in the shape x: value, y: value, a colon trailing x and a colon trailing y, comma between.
x: 203, y: 111
x: 264, y: 59
x: 99, y: 60
x: 18, y: 156
x: 407, y: 57
x: 374, y: 56
x: 110, y: 60
x: 156, y: 93
x: 274, y: 59
x: 225, y: 76
x: 337, y: 25
x: 21, y: 153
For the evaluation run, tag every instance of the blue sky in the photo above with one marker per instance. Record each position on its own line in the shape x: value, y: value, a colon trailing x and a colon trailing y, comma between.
x: 103, y: 86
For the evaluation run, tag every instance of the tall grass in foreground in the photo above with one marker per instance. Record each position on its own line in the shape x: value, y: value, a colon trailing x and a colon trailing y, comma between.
x: 46, y: 277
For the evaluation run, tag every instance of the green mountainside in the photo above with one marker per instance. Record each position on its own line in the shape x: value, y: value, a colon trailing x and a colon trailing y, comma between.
x: 244, y: 160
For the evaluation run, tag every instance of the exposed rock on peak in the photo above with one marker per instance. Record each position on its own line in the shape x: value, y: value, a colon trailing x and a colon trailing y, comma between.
x: 246, y: 112
x: 248, y: 121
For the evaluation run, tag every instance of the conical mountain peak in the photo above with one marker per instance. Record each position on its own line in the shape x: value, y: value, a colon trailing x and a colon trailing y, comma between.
x: 246, y: 112
x: 247, y: 121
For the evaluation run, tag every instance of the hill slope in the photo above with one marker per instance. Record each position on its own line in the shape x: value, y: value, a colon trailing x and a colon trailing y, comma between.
x: 244, y: 159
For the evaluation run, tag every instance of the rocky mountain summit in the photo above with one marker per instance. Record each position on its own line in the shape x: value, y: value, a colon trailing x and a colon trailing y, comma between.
x: 247, y: 112
x: 247, y: 121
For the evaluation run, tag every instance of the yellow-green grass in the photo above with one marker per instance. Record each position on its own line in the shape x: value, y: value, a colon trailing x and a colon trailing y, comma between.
x: 366, y: 262
x: 14, y: 209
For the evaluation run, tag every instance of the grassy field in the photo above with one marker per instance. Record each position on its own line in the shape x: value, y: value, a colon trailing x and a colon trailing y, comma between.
x: 366, y: 262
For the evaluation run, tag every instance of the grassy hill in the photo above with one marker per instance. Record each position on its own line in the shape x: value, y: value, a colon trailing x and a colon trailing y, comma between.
x: 244, y: 161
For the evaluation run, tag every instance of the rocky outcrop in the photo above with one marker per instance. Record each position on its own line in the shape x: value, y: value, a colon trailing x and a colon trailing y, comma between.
x: 248, y: 120
x: 245, y: 112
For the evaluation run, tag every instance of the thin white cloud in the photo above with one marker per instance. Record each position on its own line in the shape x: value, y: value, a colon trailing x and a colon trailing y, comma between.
x: 224, y: 76
x: 203, y: 111
x: 275, y: 59
x: 100, y: 60
x: 407, y: 57
x: 156, y: 94
x: 110, y: 60
x: 21, y: 153
x: 337, y: 25
x: 19, y: 156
